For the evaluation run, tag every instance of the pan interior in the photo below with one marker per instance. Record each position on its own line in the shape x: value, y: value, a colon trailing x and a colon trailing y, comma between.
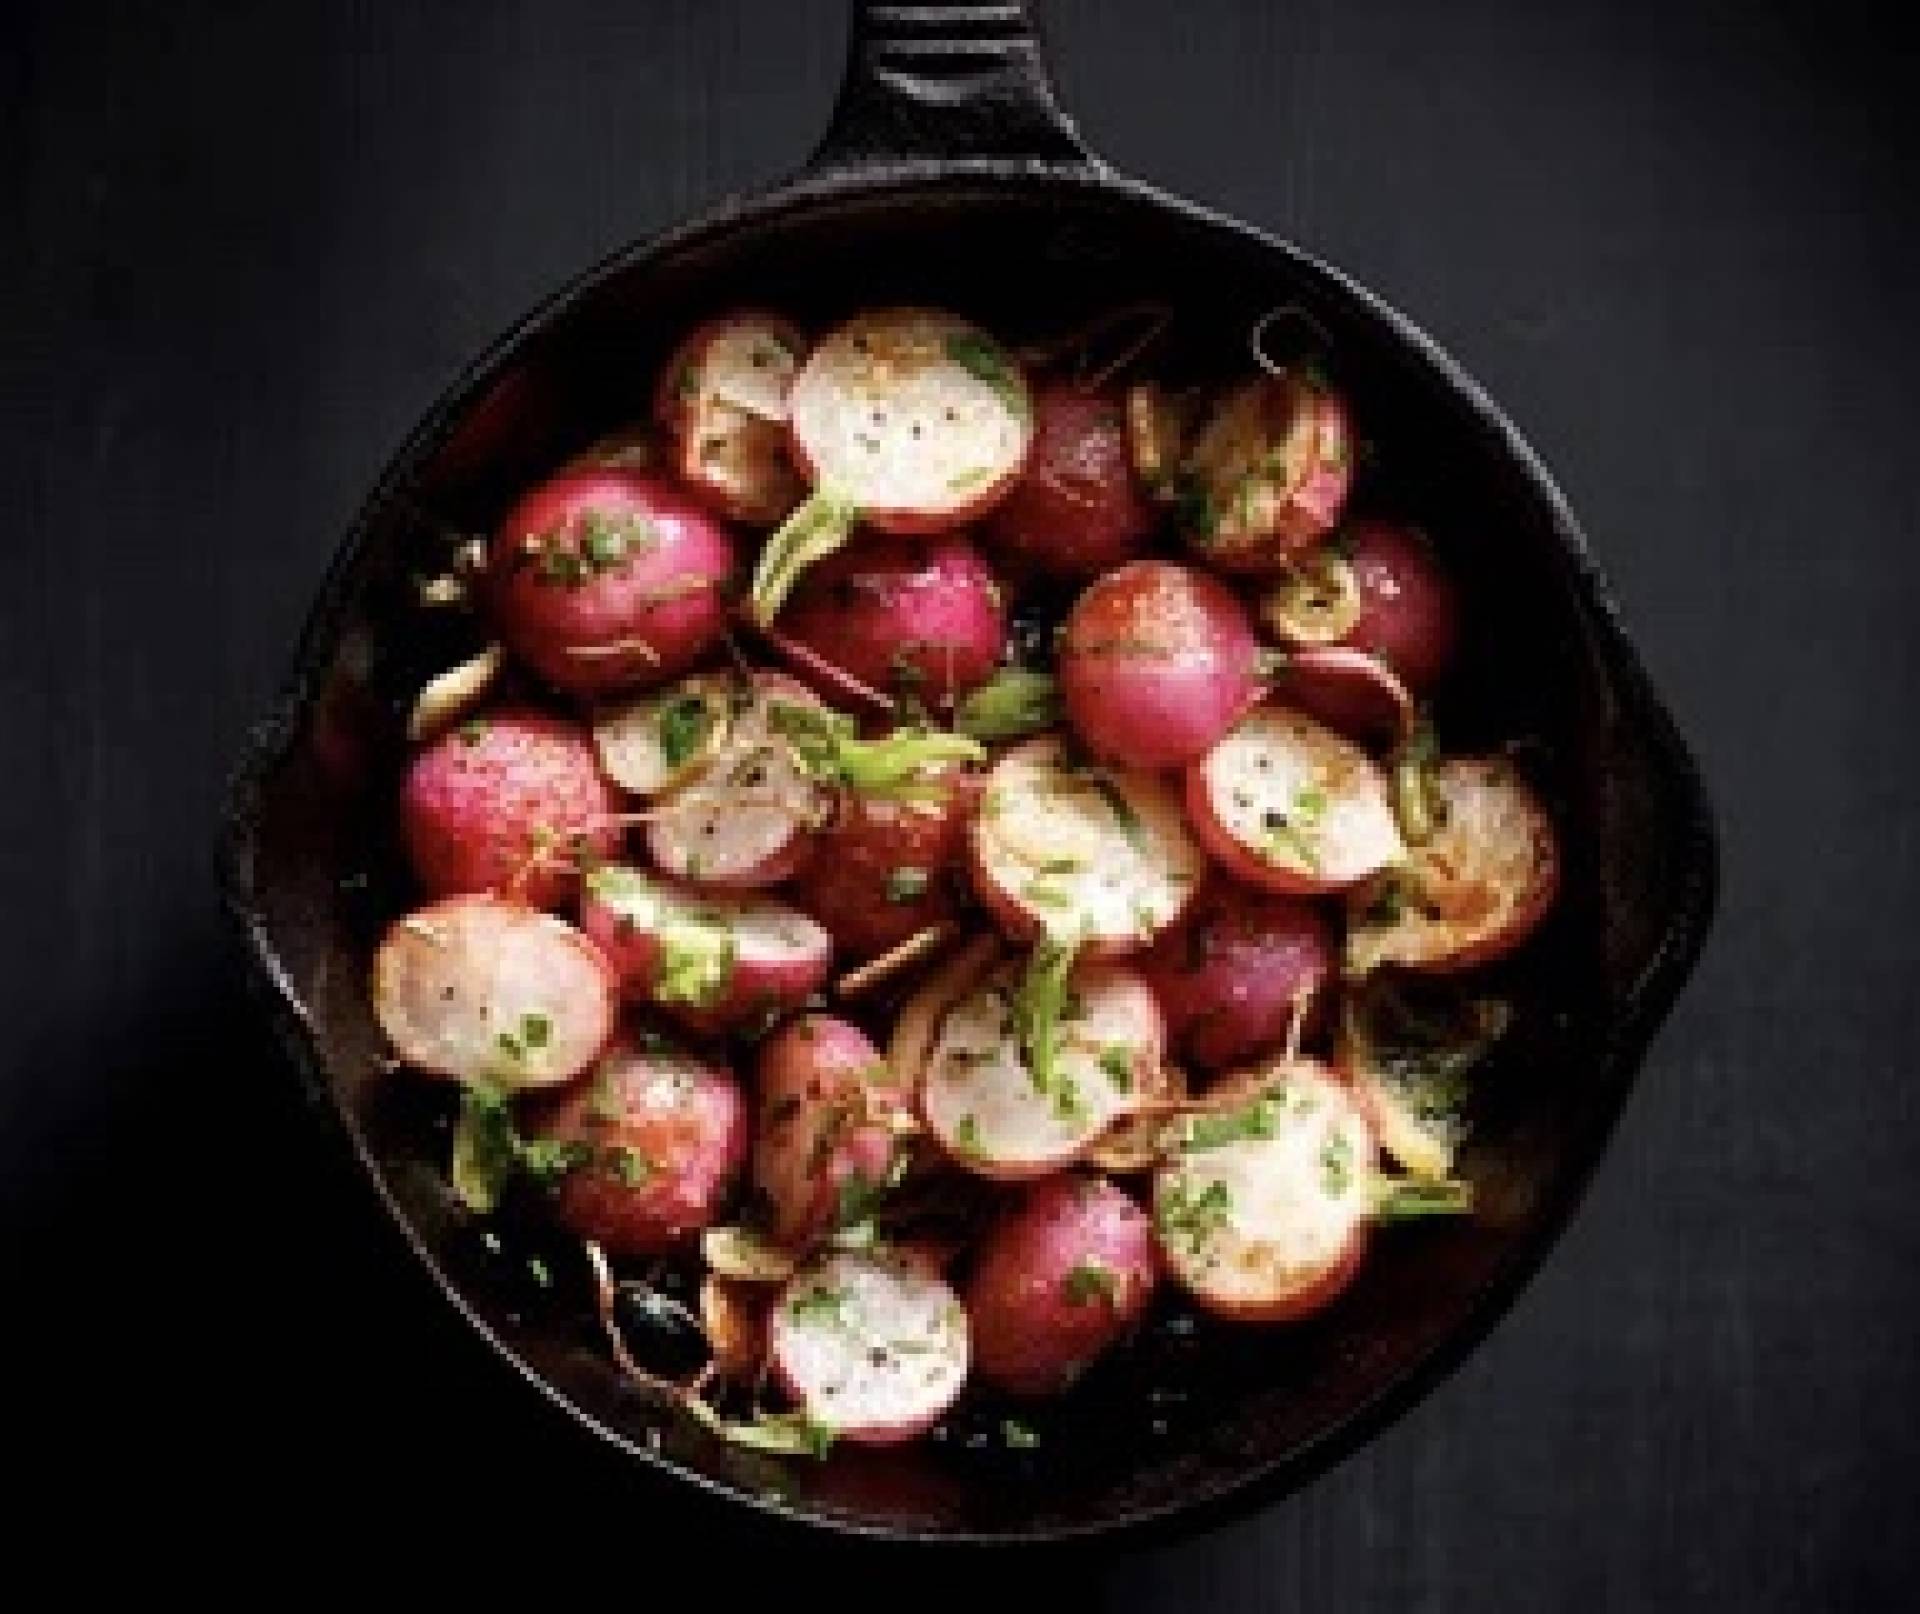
x: 1190, y: 1412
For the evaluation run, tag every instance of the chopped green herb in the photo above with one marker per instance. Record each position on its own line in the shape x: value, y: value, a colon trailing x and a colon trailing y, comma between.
x: 897, y: 766
x: 819, y: 1304
x: 1122, y: 810
x: 1336, y: 1164
x: 473, y: 731
x: 542, y: 1273
x: 1116, y: 1061
x: 1038, y: 1004
x: 1013, y: 703
x: 967, y: 1134
x: 973, y: 478
x: 1089, y: 1281
x: 1215, y: 1129
x: 1402, y: 1199
x: 535, y: 1030
x: 1194, y: 1217
x: 906, y: 885
x: 684, y: 723
x: 696, y: 964
x: 1017, y: 1436
x: 627, y: 1166
x: 984, y: 359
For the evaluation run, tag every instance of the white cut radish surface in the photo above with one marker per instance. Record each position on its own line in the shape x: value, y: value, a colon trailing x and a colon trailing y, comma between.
x: 913, y: 416
x: 744, y: 819
x: 1262, y: 1210
x: 763, y: 937
x: 746, y: 361
x: 1070, y: 848
x: 651, y: 744
x: 978, y: 1095
x: 482, y: 990
x: 873, y: 1345
x: 723, y: 395
x: 1474, y: 889
x: 1292, y: 805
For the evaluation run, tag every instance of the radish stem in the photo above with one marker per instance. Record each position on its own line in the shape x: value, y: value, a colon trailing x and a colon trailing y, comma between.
x: 821, y: 524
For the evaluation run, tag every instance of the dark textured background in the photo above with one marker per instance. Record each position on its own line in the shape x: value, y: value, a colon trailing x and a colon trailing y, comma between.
x: 244, y: 245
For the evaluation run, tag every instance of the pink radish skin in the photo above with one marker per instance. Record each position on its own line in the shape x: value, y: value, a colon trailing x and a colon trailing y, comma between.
x: 1288, y: 805
x: 590, y: 626
x: 1156, y: 662
x: 1349, y: 690
x: 866, y: 387
x: 883, y: 870
x: 837, y: 1334
x: 478, y: 989
x: 1078, y: 509
x: 1409, y: 607
x: 1233, y: 975
x: 814, y: 1141
x: 1062, y: 1276
x: 778, y: 956
x: 666, y: 1133
x: 905, y: 616
x: 723, y: 399
x: 505, y: 803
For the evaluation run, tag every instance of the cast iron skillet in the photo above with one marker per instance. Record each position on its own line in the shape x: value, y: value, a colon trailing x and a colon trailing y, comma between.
x: 949, y: 175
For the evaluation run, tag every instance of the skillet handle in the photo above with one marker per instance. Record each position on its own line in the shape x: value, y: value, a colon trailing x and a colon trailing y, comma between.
x: 944, y: 80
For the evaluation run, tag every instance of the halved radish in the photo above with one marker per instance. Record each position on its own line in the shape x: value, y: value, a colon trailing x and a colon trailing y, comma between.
x: 1268, y: 472
x: 917, y: 1026
x: 822, y: 1151
x: 650, y: 744
x: 478, y: 989
x: 1070, y: 848
x: 988, y: 1106
x: 1263, y: 1208
x: 711, y: 961
x: 723, y: 396
x: 1474, y: 889
x: 1290, y: 806
x: 909, y: 419
x: 744, y: 820
x: 873, y: 1345
x: 1351, y: 690
x: 1409, y: 1055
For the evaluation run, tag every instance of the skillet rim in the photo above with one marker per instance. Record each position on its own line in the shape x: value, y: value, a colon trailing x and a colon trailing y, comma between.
x: 1688, y: 822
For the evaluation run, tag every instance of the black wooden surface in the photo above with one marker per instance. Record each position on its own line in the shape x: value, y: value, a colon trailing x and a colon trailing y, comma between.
x: 244, y: 245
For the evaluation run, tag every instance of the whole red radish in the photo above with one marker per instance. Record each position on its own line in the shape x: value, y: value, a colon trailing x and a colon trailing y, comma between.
x: 1236, y: 970
x: 505, y: 803
x: 605, y: 579
x: 662, y: 1137
x: 1156, y: 661
x: 1077, y: 509
x: 881, y: 871
x: 819, y: 1157
x: 1067, y: 1269
x: 919, y: 617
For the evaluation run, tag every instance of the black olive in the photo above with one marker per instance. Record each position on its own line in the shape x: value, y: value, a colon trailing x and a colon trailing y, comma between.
x: 660, y: 1331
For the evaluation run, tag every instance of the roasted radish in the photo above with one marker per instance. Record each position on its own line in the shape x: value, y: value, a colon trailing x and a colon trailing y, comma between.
x: 1290, y: 806
x: 1267, y: 473
x: 509, y: 802
x: 650, y: 743
x: 909, y: 419
x: 1264, y: 1205
x: 743, y: 821
x: 1064, y: 1272
x: 822, y: 1151
x: 1156, y: 662
x: 713, y: 961
x: 1474, y: 889
x: 1241, y: 972
x: 883, y: 869
x: 605, y: 579
x: 915, y: 617
x: 1077, y: 509
x: 873, y: 1345
x: 1001, y: 1113
x: 1070, y: 848
x: 478, y: 989
x: 660, y: 1137
x: 723, y: 400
